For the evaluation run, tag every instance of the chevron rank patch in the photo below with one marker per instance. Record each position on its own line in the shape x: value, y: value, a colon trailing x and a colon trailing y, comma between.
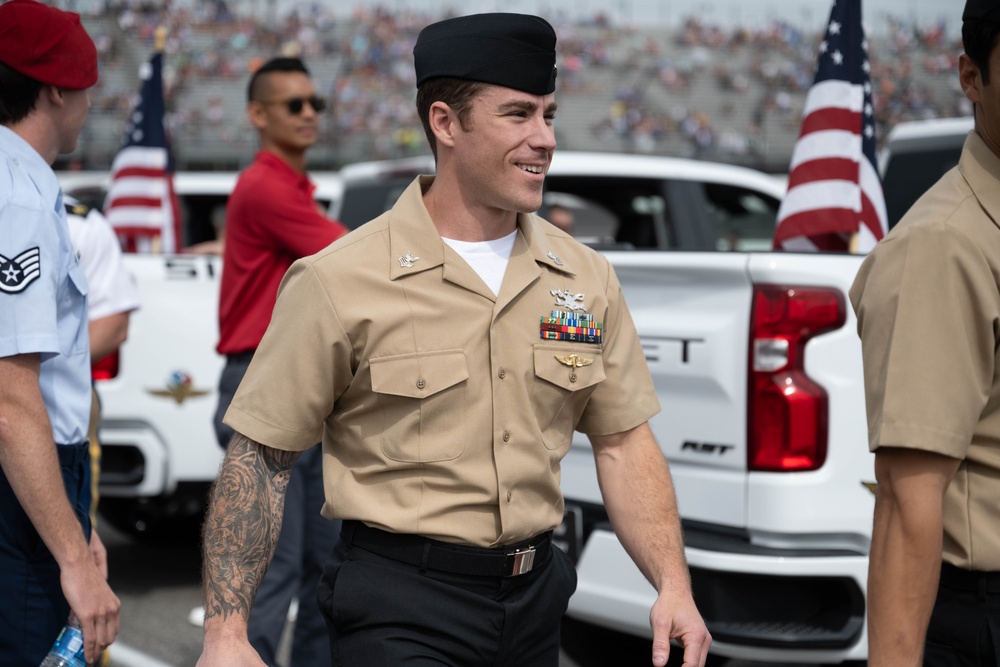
x: 19, y: 272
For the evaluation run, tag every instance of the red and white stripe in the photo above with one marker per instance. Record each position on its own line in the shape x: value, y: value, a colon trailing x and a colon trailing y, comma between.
x: 833, y: 190
x: 140, y: 200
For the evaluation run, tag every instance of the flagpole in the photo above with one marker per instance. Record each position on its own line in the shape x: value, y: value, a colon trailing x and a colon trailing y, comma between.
x: 159, y: 46
x: 160, y: 39
x: 141, y: 203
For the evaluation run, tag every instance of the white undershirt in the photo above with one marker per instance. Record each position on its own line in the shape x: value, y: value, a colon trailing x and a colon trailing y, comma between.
x: 487, y: 258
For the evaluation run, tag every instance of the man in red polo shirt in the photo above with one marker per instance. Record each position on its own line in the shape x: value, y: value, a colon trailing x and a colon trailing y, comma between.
x: 272, y: 220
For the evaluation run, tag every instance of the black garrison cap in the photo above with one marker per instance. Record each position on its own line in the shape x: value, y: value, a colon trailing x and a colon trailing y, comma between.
x: 512, y: 50
x: 983, y: 10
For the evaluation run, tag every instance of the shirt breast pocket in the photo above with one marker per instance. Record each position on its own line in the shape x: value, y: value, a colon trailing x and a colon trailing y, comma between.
x: 73, y: 315
x: 566, y: 375
x: 422, y: 403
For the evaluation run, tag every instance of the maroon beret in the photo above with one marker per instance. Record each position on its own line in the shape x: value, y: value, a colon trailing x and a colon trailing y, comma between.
x: 47, y: 44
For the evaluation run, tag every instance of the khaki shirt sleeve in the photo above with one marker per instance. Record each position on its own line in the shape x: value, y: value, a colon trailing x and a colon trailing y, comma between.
x: 626, y: 398
x: 927, y: 310
x: 302, y: 364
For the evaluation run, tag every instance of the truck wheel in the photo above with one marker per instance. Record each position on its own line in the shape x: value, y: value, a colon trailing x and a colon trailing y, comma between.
x: 590, y: 645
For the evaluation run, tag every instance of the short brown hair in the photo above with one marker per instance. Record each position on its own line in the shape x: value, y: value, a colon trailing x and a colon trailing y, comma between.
x: 18, y: 95
x: 456, y: 93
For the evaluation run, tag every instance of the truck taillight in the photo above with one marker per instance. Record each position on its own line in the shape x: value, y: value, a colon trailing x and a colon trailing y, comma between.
x: 787, y: 411
x: 106, y: 368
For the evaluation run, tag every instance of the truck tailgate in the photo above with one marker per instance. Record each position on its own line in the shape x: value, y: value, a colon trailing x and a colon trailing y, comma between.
x: 165, y: 390
x: 692, y: 312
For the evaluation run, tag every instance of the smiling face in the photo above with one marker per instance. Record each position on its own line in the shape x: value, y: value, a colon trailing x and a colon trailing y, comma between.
x: 282, y: 132
x: 504, y: 149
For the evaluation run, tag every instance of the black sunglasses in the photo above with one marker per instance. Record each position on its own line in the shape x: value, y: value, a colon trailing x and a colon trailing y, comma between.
x: 296, y: 104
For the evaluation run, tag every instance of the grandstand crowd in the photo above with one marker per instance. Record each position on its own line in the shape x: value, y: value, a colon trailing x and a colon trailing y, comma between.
x: 695, y: 90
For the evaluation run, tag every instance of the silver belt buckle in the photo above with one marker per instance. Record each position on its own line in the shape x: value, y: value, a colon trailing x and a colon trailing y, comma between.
x: 519, y: 562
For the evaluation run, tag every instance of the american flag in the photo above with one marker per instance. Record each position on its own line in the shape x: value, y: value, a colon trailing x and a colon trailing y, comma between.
x: 141, y: 204
x: 834, y: 190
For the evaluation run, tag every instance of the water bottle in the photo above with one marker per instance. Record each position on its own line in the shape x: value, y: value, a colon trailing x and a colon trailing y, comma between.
x: 67, y: 651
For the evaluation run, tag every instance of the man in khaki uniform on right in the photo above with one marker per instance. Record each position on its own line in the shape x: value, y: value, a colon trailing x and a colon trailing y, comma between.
x: 928, y: 305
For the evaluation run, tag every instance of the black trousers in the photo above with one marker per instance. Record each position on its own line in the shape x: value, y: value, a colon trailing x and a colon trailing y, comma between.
x: 32, y: 607
x: 229, y: 381
x: 384, y: 613
x: 965, y: 625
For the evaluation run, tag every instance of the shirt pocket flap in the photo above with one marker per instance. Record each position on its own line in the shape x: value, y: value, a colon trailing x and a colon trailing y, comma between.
x: 568, y: 368
x: 78, y: 278
x: 419, y: 375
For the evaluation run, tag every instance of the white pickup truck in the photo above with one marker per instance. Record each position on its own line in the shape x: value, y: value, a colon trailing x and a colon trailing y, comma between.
x: 158, y: 392
x: 758, y: 365
x: 754, y: 355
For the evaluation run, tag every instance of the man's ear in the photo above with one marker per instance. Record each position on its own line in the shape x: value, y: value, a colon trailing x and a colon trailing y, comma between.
x: 970, y: 78
x: 444, y: 123
x: 53, y: 96
x: 257, y: 115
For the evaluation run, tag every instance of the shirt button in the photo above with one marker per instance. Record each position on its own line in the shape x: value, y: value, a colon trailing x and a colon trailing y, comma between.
x: 421, y: 383
x: 502, y: 374
x: 508, y: 496
x: 506, y: 436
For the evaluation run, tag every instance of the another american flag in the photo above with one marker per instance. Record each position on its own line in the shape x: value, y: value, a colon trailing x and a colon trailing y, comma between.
x: 834, y: 190
x: 141, y: 204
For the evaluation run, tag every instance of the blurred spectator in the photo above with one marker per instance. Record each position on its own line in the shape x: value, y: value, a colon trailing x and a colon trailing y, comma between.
x: 742, y: 87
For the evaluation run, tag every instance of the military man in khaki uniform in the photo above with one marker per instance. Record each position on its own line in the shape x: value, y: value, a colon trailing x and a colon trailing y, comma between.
x: 928, y: 305
x: 445, y: 353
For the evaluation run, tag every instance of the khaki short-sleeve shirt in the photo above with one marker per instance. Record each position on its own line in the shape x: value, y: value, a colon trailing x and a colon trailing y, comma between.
x: 928, y: 306
x: 443, y: 410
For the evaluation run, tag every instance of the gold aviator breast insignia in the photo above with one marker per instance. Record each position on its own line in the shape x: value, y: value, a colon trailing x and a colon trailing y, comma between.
x: 573, y: 361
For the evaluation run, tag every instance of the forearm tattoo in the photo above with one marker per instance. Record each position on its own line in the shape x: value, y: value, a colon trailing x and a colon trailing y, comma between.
x: 242, y: 525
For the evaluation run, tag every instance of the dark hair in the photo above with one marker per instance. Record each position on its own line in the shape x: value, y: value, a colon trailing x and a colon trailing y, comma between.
x: 978, y: 40
x: 18, y: 95
x: 273, y: 65
x: 456, y: 93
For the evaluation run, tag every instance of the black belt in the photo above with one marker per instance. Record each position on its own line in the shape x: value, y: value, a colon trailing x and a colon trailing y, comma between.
x: 428, y: 554
x: 969, y: 580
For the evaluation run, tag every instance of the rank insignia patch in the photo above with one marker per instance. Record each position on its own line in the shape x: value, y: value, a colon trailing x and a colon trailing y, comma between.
x: 407, y: 260
x: 17, y: 273
x: 571, y: 327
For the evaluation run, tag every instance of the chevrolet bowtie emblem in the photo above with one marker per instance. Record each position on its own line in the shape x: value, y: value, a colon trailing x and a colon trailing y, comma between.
x: 407, y: 260
x: 573, y: 361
